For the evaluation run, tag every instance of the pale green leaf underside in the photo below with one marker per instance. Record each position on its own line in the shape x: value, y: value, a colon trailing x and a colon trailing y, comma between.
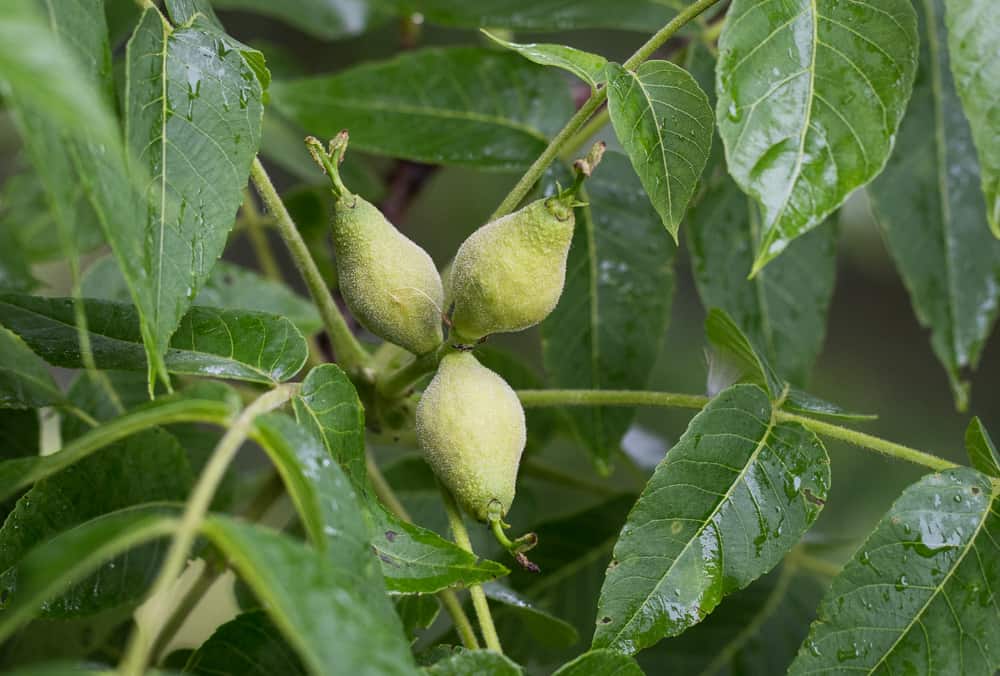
x: 810, y: 94
x: 619, y: 286
x: 236, y: 344
x: 928, y: 202
x: 462, y: 106
x: 193, y: 115
x: 735, y: 493
x: 973, y: 27
x: 919, y: 597
x: 586, y: 66
x: 413, y: 559
x: 664, y: 122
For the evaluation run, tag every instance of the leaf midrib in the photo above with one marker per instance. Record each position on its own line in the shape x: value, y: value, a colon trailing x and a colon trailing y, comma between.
x: 737, y: 480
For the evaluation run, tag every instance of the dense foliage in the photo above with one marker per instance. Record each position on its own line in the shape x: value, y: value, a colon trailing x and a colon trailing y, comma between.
x: 176, y: 429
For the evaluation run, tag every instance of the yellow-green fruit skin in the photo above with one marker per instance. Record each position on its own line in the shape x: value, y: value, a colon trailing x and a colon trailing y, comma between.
x: 390, y: 284
x: 470, y: 425
x: 508, y: 275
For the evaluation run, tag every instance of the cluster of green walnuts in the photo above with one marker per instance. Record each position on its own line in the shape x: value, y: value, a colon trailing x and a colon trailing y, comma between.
x: 507, y: 276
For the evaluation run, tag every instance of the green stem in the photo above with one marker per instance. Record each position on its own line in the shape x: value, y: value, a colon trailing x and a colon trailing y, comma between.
x: 348, y: 351
x: 258, y: 240
x: 185, y: 410
x: 479, y: 602
x: 538, y: 167
x: 542, y: 398
x: 395, y: 384
x: 142, y: 641
x: 670, y: 399
x: 585, y: 133
x: 447, y: 597
x: 868, y: 441
x: 799, y: 559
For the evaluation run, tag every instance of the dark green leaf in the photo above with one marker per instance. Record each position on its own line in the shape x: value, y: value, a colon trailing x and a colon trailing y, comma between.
x: 644, y: 16
x: 148, y: 467
x: 15, y: 270
x: 212, y: 402
x: 731, y: 498
x: 982, y: 451
x: 103, y: 395
x: 236, y: 344
x: 320, y: 608
x: 479, y: 662
x: 417, y: 612
x: 664, y: 122
x: 19, y: 432
x: 803, y: 402
x: 928, y: 204
x: 481, y: 108
x: 519, y: 611
x: 586, y: 66
x: 972, y: 29
x: 810, y: 99
x: 321, y: 18
x: 783, y: 309
x: 184, y: 11
x: 413, y: 559
x: 229, y: 286
x: 69, y: 557
x: 193, y: 114
x: 605, y: 332
x: 918, y: 597
x: 604, y: 662
x: 25, y: 381
x: 755, y: 632
x: 249, y: 645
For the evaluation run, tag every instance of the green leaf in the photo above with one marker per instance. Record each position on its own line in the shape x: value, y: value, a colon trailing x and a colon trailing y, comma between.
x: 481, y: 108
x: 414, y: 559
x: 25, y: 381
x: 148, y: 467
x: 321, y: 18
x: 516, y: 610
x: 918, y: 596
x: 731, y: 498
x: 644, y: 16
x: 70, y: 556
x: 27, y: 222
x: 586, y: 66
x: 229, y: 286
x: 784, y: 308
x: 928, y: 205
x: 810, y: 99
x: 604, y: 662
x: 479, y: 662
x: 215, y: 403
x: 417, y: 612
x: 982, y: 450
x: 236, y: 344
x: 193, y: 114
x: 972, y: 29
x: 43, y: 74
x: 249, y: 645
x: 320, y: 608
x: 664, y: 122
x: 619, y: 285
x: 755, y: 632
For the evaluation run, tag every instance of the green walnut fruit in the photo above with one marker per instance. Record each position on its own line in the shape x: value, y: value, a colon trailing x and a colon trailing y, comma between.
x: 508, y: 275
x: 470, y: 425
x: 389, y: 283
